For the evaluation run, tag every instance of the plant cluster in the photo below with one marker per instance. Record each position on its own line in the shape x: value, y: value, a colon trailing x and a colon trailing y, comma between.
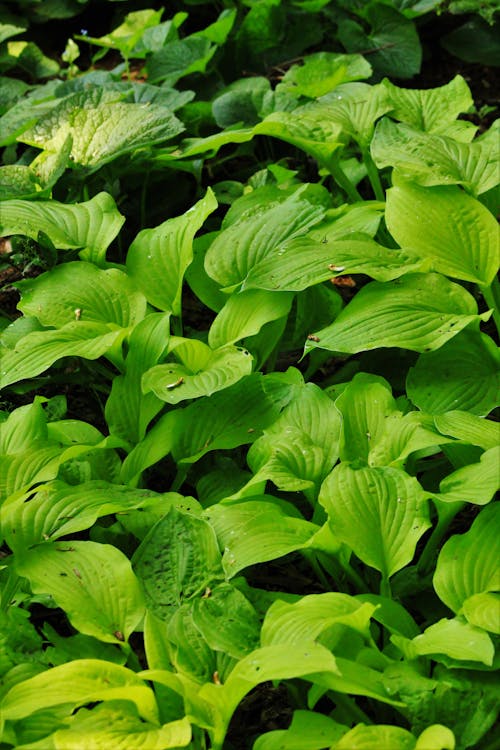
x: 272, y: 272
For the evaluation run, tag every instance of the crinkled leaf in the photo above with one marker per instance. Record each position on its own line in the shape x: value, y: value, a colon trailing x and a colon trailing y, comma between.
x: 429, y: 159
x: 158, y: 258
x: 77, y: 683
x: 381, y: 513
x: 323, y: 71
x: 201, y: 373
x: 93, y: 583
x: 445, y: 225
x: 176, y: 561
x: 37, y: 351
x: 102, y: 127
x: 90, y: 226
x: 468, y: 563
x: 418, y: 312
x: 244, y: 314
x: 463, y: 374
x: 82, y: 290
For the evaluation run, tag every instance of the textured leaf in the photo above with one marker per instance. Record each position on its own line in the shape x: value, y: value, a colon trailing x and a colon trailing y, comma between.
x: 227, y: 621
x: 247, y: 241
x: 158, y: 258
x: 445, y: 225
x: 432, y: 110
x: 418, y: 312
x: 355, y: 107
x: 256, y: 531
x: 456, y: 639
x: 127, y: 35
x: 323, y: 71
x: 102, y: 127
x: 364, y: 737
x: 469, y: 428
x: 482, y: 609
x: 302, y: 262
x: 468, y: 563
x: 93, y: 583
x: 381, y: 513
x: 476, y: 483
x: 23, y: 427
x: 176, y: 561
x: 115, y: 724
x: 463, y: 375
x: 202, y: 372
x: 244, y: 314
x: 180, y: 58
x: 37, y: 351
x: 90, y: 226
x: 77, y: 683
x: 20, y: 471
x: 308, y: 731
x: 435, y: 159
x: 81, y: 290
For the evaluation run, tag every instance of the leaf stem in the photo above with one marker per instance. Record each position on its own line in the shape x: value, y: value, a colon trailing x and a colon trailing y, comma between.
x: 373, y: 175
x: 343, y: 181
x: 491, y: 296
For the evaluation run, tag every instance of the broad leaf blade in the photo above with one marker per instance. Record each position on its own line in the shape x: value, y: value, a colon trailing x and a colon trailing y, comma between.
x: 244, y: 314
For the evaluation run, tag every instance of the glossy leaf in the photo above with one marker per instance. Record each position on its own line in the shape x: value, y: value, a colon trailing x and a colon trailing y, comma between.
x: 158, y: 258
x: 381, y: 513
x: 323, y: 71
x: 90, y: 226
x: 418, y: 312
x: 308, y: 731
x: 227, y: 621
x: 93, y: 583
x: 463, y: 375
x: 244, y: 314
x: 356, y: 108
x: 446, y: 226
x: 476, y: 483
x: 364, y: 737
x: 468, y: 428
x: 456, y: 639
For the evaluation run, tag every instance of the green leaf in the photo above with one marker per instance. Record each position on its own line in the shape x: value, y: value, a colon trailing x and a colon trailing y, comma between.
x: 245, y: 313
x: 29, y: 57
x: 227, y: 621
x: 128, y: 411
x: 102, y: 127
x: 158, y: 258
x: 180, y: 58
x: 81, y: 290
x: 435, y: 159
x: 476, y: 483
x: 77, y: 683
x: 256, y: 531
x: 355, y: 107
x: 37, y: 351
x: 308, y: 731
x: 432, y: 110
x: 381, y: 513
x: 93, y: 583
x: 312, y: 615
x: 468, y: 428
x: 117, y: 724
x: 177, y: 561
x: 127, y: 35
x: 481, y: 610
x: 457, y: 639
x: 202, y: 372
x: 251, y: 238
x: 364, y: 737
x: 392, y: 43
x: 24, y: 426
x: 468, y: 563
x: 303, y: 262
x: 20, y: 471
x: 445, y: 225
x: 323, y: 71
x: 463, y: 375
x: 418, y: 312
x: 189, y: 653
x: 90, y: 226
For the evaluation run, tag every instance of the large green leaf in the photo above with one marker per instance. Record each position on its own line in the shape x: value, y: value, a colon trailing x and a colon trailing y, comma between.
x: 177, y: 560
x: 463, y: 374
x: 322, y: 72
x: 203, y: 371
x: 83, y: 292
x: 180, y: 58
x: 251, y: 238
x: 128, y: 411
x: 468, y: 563
x: 117, y: 724
x: 37, y: 351
x: 432, y: 110
x: 418, y: 312
x: 429, y: 159
x: 469, y: 428
x: 102, y: 127
x: 364, y: 737
x: 77, y: 683
x: 308, y: 731
x: 20, y: 471
x: 244, y: 314
x: 381, y: 513
x: 256, y: 531
x: 127, y: 35
x: 158, y: 258
x: 302, y: 262
x: 476, y: 483
x: 455, y: 638
x: 93, y: 583
x: 23, y: 427
x: 90, y: 226
x: 445, y: 225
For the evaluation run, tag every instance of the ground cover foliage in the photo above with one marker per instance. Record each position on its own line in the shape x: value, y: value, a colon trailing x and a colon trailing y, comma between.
x: 249, y: 373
